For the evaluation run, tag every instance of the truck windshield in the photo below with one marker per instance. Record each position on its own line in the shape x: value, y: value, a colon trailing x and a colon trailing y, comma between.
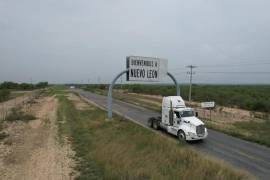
x: 187, y: 114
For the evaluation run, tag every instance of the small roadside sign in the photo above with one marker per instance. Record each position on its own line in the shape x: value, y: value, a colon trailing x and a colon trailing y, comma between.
x: 147, y: 69
x: 208, y: 104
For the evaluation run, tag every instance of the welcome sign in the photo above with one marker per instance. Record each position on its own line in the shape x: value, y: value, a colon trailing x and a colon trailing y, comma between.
x: 146, y: 68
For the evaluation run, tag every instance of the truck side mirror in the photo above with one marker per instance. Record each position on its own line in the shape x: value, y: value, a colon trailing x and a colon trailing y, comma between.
x: 197, y: 114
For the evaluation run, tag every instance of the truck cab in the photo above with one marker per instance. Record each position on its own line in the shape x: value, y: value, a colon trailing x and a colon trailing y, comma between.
x: 179, y: 120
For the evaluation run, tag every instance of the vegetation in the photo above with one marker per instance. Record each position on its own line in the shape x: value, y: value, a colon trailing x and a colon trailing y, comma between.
x: 250, y: 97
x: 120, y: 149
x: 17, y: 114
x: 7, y: 87
x: 42, y: 85
x: 22, y: 86
x: 255, y: 131
x: 3, y: 135
x: 4, y: 95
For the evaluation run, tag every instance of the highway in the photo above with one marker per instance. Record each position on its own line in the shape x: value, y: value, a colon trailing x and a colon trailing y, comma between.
x: 245, y: 155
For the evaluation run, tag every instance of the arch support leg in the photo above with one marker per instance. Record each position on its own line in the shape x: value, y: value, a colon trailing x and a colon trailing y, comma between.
x: 109, y: 100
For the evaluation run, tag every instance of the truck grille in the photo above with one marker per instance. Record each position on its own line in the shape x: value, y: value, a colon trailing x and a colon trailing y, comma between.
x: 200, y: 130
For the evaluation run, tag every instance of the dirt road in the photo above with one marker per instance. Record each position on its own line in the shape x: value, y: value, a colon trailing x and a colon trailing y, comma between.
x: 32, y: 151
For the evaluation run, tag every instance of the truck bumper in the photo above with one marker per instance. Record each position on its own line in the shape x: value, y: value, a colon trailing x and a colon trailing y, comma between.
x: 194, y: 137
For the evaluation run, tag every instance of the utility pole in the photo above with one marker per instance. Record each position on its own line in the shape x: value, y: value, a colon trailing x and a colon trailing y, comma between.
x: 121, y: 82
x: 190, y: 79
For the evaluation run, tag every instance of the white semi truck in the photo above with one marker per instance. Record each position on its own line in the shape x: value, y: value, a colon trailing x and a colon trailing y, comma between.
x: 179, y: 120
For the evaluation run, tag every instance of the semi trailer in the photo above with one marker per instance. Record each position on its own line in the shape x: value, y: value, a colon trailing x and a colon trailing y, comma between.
x: 179, y: 120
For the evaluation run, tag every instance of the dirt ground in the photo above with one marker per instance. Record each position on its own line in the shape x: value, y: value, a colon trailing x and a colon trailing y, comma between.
x: 32, y: 151
x: 7, y: 105
x: 78, y: 102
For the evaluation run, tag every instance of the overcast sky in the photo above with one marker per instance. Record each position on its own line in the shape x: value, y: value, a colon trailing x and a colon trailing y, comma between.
x: 64, y: 41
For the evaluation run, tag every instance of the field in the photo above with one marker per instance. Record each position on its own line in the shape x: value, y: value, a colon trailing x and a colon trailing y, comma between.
x: 251, y: 126
x: 29, y: 147
x: 249, y: 97
x: 120, y: 149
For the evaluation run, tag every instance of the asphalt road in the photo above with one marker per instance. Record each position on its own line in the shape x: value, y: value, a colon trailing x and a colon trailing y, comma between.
x: 242, y: 154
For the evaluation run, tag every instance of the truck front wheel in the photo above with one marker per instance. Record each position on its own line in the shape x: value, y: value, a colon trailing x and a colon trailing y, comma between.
x: 181, y: 136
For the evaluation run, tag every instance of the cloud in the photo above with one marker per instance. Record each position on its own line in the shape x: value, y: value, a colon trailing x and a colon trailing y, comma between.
x: 66, y: 40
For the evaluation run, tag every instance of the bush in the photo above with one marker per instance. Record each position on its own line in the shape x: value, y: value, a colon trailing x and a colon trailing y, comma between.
x: 42, y: 85
x: 16, y: 114
x: 26, y: 86
x: 3, y: 135
x: 4, y: 95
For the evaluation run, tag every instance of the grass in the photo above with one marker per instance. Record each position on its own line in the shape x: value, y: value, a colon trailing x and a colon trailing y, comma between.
x: 120, y: 149
x: 17, y: 114
x: 132, y: 99
x: 249, y: 97
x: 15, y: 94
x: 251, y: 131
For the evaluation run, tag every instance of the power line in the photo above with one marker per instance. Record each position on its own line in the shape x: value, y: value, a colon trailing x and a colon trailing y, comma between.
x: 239, y: 72
x: 225, y: 72
x: 233, y: 65
x: 225, y: 65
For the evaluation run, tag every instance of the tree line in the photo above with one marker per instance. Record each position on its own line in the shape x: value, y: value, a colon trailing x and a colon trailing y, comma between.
x: 8, y: 86
x: 22, y: 86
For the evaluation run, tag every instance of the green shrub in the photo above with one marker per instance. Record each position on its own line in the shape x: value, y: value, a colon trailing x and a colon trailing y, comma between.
x: 42, y: 85
x: 4, y: 95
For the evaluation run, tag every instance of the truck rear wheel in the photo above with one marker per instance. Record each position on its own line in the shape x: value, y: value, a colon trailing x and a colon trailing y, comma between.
x: 155, y: 125
x: 150, y: 122
x: 181, y: 136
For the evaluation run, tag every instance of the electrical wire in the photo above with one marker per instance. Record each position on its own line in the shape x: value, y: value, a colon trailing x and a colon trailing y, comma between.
x: 225, y: 65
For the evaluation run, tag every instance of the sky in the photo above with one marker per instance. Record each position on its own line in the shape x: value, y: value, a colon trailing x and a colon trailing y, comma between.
x: 87, y: 41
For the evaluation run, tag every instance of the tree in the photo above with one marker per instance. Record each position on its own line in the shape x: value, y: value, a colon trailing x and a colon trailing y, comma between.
x: 42, y: 85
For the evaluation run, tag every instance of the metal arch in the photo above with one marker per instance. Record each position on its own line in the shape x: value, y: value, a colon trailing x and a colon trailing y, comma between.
x: 175, y: 82
x: 109, y: 103
x: 110, y: 93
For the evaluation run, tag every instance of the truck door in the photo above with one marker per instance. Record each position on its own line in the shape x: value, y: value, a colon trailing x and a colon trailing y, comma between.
x: 165, y: 115
x: 173, y: 123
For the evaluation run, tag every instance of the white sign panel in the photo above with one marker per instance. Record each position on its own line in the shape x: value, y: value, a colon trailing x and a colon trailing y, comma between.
x: 146, y: 68
x: 208, y: 104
